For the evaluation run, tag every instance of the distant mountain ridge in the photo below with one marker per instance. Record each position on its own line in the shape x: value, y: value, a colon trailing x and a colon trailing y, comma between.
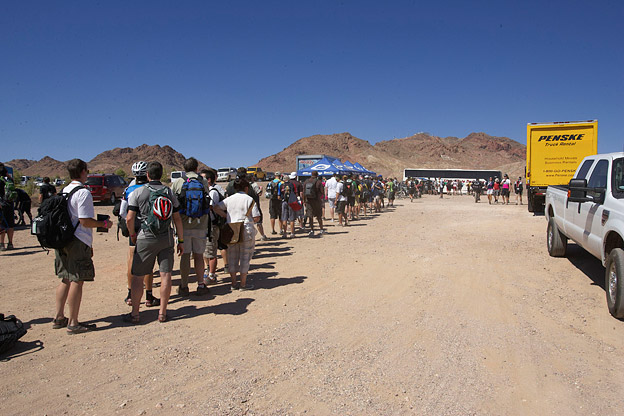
x: 422, y: 150
x: 106, y: 162
x: 388, y: 157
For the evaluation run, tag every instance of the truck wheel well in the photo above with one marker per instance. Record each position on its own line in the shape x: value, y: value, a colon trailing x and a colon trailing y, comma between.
x: 551, y: 213
x: 613, y: 240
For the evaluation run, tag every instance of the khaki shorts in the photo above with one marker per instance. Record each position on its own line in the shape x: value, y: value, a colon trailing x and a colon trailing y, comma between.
x: 74, y: 262
x: 195, y: 241
x: 212, y: 246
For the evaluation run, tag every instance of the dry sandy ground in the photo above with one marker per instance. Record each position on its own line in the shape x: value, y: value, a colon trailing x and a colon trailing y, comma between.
x: 441, y: 306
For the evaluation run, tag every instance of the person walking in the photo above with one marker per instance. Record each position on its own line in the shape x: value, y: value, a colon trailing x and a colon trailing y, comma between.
x: 8, y: 196
x: 312, y: 192
x: 518, y: 190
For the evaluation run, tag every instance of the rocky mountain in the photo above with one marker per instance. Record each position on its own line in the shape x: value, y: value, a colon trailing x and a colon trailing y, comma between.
x: 106, y: 162
x: 390, y: 157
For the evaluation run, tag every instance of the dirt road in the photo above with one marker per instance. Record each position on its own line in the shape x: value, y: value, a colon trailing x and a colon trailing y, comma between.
x: 441, y: 306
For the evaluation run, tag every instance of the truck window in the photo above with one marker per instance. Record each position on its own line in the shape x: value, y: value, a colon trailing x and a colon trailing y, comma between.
x: 617, y: 178
x: 582, y: 174
x: 598, y: 177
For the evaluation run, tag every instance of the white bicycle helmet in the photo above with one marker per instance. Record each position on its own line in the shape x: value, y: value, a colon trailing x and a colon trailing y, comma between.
x: 139, y: 168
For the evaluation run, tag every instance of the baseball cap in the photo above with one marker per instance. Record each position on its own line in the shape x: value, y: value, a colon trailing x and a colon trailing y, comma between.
x: 293, y: 175
x: 277, y: 173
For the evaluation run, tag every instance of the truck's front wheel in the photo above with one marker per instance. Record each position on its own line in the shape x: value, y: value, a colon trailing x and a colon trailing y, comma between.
x: 556, y: 242
x: 614, y: 282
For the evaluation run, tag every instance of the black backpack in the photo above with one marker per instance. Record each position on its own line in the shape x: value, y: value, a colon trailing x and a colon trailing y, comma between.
x: 11, y: 329
x: 347, y: 189
x: 309, y: 189
x: 53, y: 226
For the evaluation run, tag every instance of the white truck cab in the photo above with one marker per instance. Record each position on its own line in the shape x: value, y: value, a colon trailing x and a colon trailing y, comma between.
x: 590, y: 211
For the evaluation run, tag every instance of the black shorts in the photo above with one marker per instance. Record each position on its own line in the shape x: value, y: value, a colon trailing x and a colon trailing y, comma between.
x: 275, y: 209
x: 342, y: 207
x: 351, y: 201
x: 7, y: 219
x: 505, y: 192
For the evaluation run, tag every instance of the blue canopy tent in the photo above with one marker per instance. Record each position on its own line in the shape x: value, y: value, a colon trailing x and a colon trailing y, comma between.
x: 324, y: 167
x: 366, y: 171
x: 350, y: 166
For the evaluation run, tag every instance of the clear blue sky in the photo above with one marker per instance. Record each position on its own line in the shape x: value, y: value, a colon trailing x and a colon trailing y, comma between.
x: 233, y: 81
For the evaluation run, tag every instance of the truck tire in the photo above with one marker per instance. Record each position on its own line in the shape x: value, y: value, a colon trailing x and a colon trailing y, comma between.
x: 556, y: 242
x: 530, y: 202
x: 614, y: 282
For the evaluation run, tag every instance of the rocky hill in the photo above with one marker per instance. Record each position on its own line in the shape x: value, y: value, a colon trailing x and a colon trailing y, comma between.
x: 390, y: 157
x: 106, y: 162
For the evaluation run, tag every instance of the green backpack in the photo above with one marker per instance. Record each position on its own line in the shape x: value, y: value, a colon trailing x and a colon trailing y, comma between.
x: 158, y: 219
x: 10, y: 194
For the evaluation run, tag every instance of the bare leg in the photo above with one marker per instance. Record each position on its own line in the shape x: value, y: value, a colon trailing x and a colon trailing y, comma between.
x: 165, y: 292
x: 61, y: 298
x: 185, y: 269
x: 74, y: 297
x: 198, y: 259
x: 136, y: 292
x: 243, y: 279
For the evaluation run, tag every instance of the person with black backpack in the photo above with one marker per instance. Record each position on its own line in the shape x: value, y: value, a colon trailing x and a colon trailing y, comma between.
x: 157, y: 207
x: 192, y: 193
x: 73, y: 263
x: 312, y: 192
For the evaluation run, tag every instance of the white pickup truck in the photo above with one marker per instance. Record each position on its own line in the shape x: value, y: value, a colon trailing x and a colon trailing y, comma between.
x: 590, y: 211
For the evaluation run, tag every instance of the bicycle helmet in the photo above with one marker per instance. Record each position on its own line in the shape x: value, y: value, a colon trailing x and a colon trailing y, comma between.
x: 162, y: 208
x: 139, y: 168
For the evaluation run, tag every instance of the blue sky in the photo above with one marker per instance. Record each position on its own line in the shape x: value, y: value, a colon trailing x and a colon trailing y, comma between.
x: 231, y: 82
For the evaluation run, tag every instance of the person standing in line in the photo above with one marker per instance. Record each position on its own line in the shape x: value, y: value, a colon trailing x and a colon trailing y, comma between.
x: 275, y: 203
x: 312, y: 192
x: 518, y: 190
x: 342, y: 202
x: 496, y: 190
x: 73, y: 264
x: 139, y: 170
x: 212, y: 245
x: 331, y: 186
x: 195, y: 228
x: 8, y: 195
x: 46, y: 190
x: 155, y: 205
x: 257, y: 191
x: 240, y: 207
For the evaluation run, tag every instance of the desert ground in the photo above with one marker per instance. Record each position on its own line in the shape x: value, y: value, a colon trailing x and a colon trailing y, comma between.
x: 436, y: 307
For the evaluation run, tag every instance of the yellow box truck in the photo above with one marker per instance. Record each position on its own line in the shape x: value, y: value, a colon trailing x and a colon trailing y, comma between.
x: 554, y: 151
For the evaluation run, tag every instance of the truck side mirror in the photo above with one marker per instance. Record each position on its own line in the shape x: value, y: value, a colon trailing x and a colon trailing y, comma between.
x: 577, y: 191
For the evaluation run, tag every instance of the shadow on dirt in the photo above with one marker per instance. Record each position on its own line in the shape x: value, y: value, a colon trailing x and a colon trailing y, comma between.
x: 588, y: 264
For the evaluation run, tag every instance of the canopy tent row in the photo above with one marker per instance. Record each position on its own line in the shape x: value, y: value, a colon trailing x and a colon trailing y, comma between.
x: 325, y: 167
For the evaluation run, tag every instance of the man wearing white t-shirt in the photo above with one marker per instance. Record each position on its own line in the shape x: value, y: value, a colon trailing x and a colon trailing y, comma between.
x: 330, y: 193
x: 73, y: 263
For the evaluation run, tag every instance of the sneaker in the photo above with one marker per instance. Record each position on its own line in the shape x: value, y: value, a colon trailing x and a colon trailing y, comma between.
x: 183, y: 291
x: 202, y: 290
x: 322, y: 231
x: 9, y: 246
x: 212, y: 279
x: 265, y: 238
x: 273, y: 232
x: 244, y: 288
x: 225, y: 269
x: 311, y: 234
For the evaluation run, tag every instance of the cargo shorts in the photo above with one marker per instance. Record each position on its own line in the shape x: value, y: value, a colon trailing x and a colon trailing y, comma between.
x: 74, y: 262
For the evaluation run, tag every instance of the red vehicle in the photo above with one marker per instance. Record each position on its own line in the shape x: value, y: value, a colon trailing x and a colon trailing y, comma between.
x: 106, y: 187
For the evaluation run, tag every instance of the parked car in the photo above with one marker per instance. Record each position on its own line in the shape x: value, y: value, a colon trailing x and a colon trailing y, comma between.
x: 178, y: 174
x: 226, y: 174
x: 58, y: 182
x: 258, y: 173
x: 270, y: 176
x: 106, y: 187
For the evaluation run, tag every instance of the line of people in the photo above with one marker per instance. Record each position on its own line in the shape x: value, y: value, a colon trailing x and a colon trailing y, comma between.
x: 191, y: 218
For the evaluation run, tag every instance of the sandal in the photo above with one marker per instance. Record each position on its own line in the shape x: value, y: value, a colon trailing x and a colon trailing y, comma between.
x: 131, y: 319
x: 152, y: 302
x: 78, y: 329
x: 162, y: 318
x: 60, y: 323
